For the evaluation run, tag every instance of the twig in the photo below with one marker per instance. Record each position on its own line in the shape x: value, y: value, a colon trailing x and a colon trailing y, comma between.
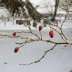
x: 45, y: 52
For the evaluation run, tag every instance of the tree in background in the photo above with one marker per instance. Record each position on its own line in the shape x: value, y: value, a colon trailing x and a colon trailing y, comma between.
x: 32, y: 11
x: 66, y: 5
x: 55, y: 10
x: 16, y: 7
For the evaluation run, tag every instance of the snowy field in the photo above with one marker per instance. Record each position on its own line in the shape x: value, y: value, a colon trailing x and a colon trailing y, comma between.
x: 58, y: 60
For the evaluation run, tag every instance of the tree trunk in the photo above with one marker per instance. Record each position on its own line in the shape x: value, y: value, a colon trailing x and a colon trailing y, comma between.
x: 55, y: 11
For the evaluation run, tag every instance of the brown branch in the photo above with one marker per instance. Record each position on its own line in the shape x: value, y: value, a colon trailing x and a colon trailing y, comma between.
x: 45, y: 52
x: 60, y: 33
x: 63, y: 21
x: 33, y: 33
x: 37, y: 38
x: 9, y: 36
x: 49, y: 41
x: 62, y: 26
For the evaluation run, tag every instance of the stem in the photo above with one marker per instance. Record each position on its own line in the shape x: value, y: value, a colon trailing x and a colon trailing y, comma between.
x: 40, y: 34
x: 45, y: 52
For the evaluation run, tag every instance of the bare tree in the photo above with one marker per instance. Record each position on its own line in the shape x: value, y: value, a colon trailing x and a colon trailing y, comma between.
x: 66, y: 5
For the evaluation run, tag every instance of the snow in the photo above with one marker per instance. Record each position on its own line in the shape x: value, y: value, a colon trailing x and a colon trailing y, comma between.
x: 58, y: 60
x: 3, y: 12
x: 11, y: 24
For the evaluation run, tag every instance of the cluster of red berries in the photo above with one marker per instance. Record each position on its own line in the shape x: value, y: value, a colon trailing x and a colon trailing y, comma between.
x: 39, y: 27
x: 51, y: 32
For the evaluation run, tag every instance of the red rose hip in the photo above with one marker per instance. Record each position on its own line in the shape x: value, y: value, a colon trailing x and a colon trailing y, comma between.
x: 14, y: 34
x: 16, y: 49
x: 51, y: 33
x: 40, y: 28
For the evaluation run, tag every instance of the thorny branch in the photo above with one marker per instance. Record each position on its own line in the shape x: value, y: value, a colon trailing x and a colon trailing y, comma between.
x: 45, y: 52
x: 40, y: 38
x: 61, y: 33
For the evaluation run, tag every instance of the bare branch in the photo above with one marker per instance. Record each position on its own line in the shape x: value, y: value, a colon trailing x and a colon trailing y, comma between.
x: 45, y: 52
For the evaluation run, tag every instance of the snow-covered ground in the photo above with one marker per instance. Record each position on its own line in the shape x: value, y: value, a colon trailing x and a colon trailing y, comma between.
x: 58, y: 60
x: 11, y: 25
